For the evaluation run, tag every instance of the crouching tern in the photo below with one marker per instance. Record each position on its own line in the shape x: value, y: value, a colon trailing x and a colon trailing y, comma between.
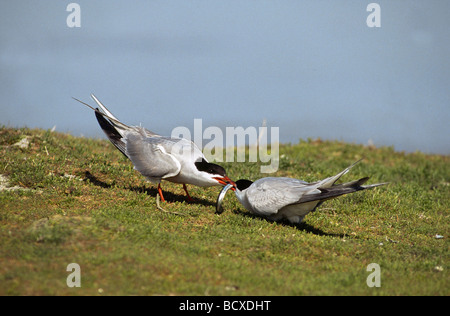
x: 159, y: 157
x: 288, y: 198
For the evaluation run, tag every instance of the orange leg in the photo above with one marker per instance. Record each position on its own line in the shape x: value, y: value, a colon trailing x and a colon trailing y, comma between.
x: 161, y: 197
x: 187, y: 193
x: 160, y: 192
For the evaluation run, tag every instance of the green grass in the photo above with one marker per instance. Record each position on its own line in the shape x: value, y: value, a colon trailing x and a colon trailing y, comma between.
x: 87, y: 205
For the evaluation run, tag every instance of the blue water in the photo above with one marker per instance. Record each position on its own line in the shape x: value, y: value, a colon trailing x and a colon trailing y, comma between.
x: 311, y: 68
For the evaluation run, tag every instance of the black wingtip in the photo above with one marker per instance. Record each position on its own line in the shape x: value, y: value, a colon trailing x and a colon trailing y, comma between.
x: 110, y: 131
x: 338, y: 190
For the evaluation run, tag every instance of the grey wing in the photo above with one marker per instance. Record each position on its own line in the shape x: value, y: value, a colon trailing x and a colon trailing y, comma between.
x: 268, y: 195
x: 150, y: 156
x: 183, y: 149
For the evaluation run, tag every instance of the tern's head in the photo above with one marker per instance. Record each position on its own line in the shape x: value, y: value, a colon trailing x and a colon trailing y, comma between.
x: 243, y: 184
x: 213, y: 172
x: 241, y: 187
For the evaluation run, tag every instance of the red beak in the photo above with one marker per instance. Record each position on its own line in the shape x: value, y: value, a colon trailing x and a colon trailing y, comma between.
x: 225, y: 180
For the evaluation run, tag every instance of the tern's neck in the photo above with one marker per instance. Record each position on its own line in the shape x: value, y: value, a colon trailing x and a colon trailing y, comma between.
x: 242, y: 197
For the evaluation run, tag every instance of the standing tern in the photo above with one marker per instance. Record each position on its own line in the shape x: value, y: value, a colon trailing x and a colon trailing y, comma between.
x: 288, y: 198
x: 159, y: 157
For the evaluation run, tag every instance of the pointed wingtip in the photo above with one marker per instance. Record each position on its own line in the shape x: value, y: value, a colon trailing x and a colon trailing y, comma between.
x: 346, y: 170
x: 355, y: 163
x: 93, y: 97
x: 370, y: 186
x: 84, y: 103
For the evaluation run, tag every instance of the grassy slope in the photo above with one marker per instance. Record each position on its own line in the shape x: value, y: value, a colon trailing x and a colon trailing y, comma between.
x: 105, y: 220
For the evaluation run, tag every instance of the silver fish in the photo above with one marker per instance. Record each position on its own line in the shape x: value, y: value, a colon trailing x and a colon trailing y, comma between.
x: 220, y: 198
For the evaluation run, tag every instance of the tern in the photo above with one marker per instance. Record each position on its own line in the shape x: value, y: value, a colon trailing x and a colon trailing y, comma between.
x: 288, y: 198
x: 159, y: 157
